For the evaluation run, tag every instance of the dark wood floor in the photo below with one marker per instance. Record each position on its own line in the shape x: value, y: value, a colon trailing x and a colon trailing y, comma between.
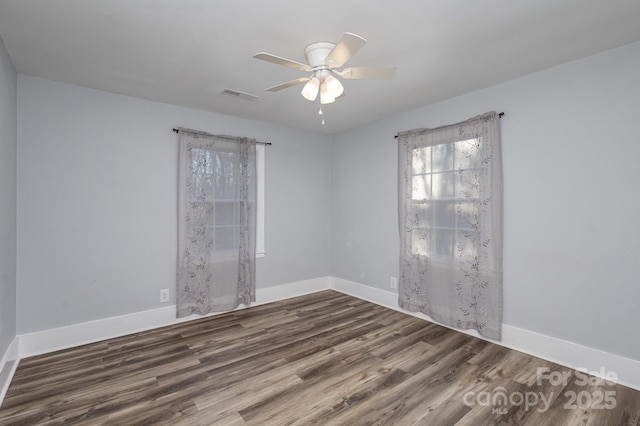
x: 325, y: 358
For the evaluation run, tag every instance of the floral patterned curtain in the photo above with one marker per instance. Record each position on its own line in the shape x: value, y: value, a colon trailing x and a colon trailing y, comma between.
x: 450, y: 211
x: 216, y: 223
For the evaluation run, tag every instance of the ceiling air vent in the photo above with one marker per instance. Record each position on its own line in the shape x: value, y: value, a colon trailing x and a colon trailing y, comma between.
x: 240, y: 95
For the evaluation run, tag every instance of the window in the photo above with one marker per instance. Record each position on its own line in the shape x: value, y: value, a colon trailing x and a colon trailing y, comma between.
x: 214, y: 193
x: 444, y: 192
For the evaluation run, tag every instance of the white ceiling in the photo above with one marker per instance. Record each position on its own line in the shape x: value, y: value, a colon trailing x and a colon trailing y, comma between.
x: 185, y: 52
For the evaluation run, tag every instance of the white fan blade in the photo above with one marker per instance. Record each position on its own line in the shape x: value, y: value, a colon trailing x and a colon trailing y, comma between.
x: 348, y: 45
x: 371, y: 73
x: 287, y: 84
x: 282, y: 61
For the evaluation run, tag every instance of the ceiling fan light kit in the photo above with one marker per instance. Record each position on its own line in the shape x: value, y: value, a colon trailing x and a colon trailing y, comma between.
x: 325, y: 96
x: 333, y: 86
x: 323, y: 60
x: 310, y: 90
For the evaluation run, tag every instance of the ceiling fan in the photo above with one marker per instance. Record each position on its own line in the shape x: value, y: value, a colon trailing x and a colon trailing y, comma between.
x: 323, y: 60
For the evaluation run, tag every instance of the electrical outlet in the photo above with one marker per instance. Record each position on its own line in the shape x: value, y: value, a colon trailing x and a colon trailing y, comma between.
x: 164, y: 295
x: 393, y: 283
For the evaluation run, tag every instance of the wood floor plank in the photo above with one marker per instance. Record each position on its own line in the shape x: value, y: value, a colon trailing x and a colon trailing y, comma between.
x: 290, y: 404
x: 324, y: 358
x: 387, y: 408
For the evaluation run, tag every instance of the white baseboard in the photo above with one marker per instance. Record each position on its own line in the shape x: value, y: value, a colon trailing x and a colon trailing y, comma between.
x: 54, y: 339
x: 569, y: 354
x: 286, y: 291
x: 8, y: 367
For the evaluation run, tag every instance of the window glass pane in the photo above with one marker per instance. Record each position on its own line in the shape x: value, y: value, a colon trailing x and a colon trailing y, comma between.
x: 442, y: 157
x: 200, y: 212
x: 445, y: 214
x: 225, y: 175
x: 208, y: 237
x: 423, y: 214
x: 201, y: 187
x: 421, y: 187
x: 465, y: 152
x: 420, y: 241
x: 465, y: 215
x: 464, y: 245
x: 225, y: 213
x: 201, y: 161
x: 467, y: 185
x: 442, y: 185
x: 422, y: 160
x: 225, y: 238
x: 444, y: 242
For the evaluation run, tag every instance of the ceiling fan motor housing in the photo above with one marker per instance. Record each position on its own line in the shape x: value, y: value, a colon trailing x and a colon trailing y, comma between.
x: 316, y: 54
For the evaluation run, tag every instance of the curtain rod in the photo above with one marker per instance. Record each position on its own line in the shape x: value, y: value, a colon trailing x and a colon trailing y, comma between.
x: 500, y: 114
x: 198, y: 132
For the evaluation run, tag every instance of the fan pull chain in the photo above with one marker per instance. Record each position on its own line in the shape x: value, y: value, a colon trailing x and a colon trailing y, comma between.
x: 320, y: 112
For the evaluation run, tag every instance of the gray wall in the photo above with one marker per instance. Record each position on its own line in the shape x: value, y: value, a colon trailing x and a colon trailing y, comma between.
x: 97, y: 206
x: 8, y: 199
x: 571, y: 209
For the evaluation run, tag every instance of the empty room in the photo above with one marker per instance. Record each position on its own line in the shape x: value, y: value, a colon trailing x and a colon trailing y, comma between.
x: 339, y: 213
